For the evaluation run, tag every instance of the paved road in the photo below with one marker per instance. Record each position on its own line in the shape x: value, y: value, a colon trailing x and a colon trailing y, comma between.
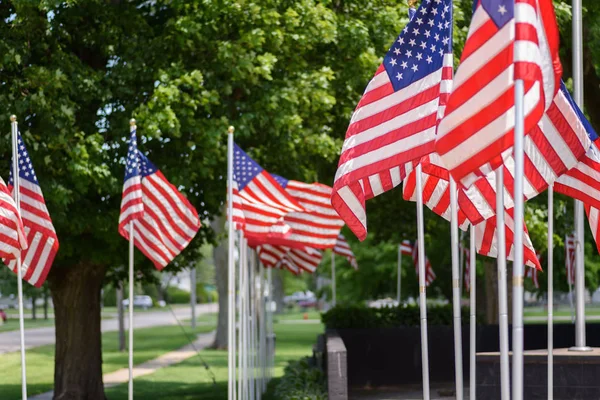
x: 9, y: 341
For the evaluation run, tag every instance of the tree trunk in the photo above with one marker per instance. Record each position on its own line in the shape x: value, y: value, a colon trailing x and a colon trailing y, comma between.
x: 278, y: 290
x: 33, y: 308
x: 78, y: 353
x: 221, y: 276
x: 45, y: 303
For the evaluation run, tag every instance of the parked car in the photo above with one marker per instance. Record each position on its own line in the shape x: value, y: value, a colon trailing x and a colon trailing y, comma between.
x: 140, y: 301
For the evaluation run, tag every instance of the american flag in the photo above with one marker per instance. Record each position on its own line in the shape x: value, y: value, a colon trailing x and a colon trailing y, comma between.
x: 259, y: 202
x: 552, y: 149
x: 164, y: 221
x: 395, y: 121
x: 533, y: 272
x: 436, y: 196
x: 570, y: 251
x: 293, y: 259
x: 429, y: 274
x: 406, y: 248
x: 319, y: 225
x: 342, y: 248
x: 12, y: 234
x: 37, y: 259
x: 479, y: 121
x: 486, y: 240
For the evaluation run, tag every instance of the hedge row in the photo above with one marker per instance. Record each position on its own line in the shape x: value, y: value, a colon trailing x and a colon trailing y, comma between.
x: 301, y: 381
x: 356, y: 316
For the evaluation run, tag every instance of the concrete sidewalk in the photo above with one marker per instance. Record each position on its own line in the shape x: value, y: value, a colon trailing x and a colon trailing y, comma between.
x: 149, y: 367
x: 10, y: 341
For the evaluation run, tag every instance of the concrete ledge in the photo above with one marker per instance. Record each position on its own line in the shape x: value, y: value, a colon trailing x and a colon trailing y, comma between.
x: 337, y: 367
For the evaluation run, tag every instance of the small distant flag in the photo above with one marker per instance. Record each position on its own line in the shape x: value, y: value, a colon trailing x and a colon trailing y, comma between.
x: 37, y: 259
x: 429, y: 274
x: 342, y: 248
x: 406, y: 248
x: 12, y: 234
x: 164, y: 221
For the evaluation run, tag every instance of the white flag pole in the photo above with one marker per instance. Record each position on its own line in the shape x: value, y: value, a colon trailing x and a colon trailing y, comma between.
x: 399, y: 292
x: 270, y: 333
x: 550, y: 292
x: 231, y: 271
x: 132, y: 129
x: 263, y: 327
x: 517, y: 342
x: 502, y: 286
x: 458, y: 361
x: 241, y: 326
x: 580, y: 340
x: 422, y: 285
x: 252, y: 324
x: 472, y: 315
x: 17, y: 196
x: 333, y: 287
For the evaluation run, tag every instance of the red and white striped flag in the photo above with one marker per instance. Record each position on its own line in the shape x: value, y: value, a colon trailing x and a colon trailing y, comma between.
x: 12, y: 234
x: 486, y: 240
x: 552, y: 150
x: 406, y: 248
x: 342, y: 248
x: 319, y: 225
x: 259, y: 202
x: 164, y: 221
x: 429, y: 274
x: 37, y: 259
x: 395, y: 121
x: 478, y: 126
x: 436, y: 196
x: 293, y: 259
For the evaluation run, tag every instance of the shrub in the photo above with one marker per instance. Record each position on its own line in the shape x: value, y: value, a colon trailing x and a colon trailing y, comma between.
x: 356, y: 316
x: 301, y: 381
x: 177, y: 296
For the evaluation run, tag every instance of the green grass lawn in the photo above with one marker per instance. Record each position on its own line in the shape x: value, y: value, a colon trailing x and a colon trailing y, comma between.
x: 189, y: 380
x: 149, y: 343
x: 13, y: 324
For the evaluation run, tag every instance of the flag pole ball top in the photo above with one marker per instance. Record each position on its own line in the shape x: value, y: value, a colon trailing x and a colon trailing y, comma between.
x: 13, y: 118
x: 230, y: 130
x: 132, y: 121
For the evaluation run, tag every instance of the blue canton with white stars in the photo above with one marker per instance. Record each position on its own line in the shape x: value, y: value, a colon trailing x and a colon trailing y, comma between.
x: 244, y: 168
x: 137, y: 164
x: 281, y: 180
x: 25, y: 166
x: 500, y: 11
x: 420, y: 48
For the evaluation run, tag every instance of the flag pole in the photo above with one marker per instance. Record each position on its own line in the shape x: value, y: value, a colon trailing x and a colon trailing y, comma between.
x: 422, y: 285
x: 270, y: 333
x: 241, y: 330
x: 502, y: 286
x: 231, y: 271
x: 17, y: 196
x: 132, y: 128
x: 399, y: 272
x: 263, y: 326
x: 517, y: 339
x: 252, y: 324
x: 333, y: 288
x: 580, y: 340
x: 550, y: 292
x: 458, y: 361
x: 472, y: 314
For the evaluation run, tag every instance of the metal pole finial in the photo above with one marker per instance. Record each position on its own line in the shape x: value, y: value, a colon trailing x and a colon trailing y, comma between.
x: 230, y: 130
x: 132, y: 122
x: 13, y: 118
x: 411, y: 3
